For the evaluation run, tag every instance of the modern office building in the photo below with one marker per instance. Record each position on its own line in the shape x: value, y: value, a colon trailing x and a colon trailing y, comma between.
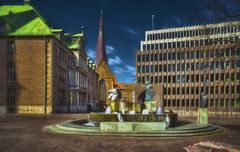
x: 191, y: 60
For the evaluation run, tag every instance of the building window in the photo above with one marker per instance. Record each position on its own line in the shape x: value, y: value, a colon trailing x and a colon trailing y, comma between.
x: 139, y: 69
x: 169, y: 67
x: 187, y: 55
x: 11, y: 96
x: 183, y: 67
x: 161, y: 45
x: 156, y: 57
x: 138, y: 58
x: 169, y: 56
x: 144, y: 47
x: 197, y: 54
x: 164, y: 56
x: 173, y: 56
x: 160, y: 68
x: 174, y: 45
x: 156, y: 68
x: 178, y: 90
x: 173, y: 67
x: 160, y: 79
x: 160, y: 57
x: 147, y: 58
x: 143, y: 69
x: 178, y: 55
x: 152, y: 59
x: 147, y: 69
x: 156, y: 79
x: 143, y: 80
x: 165, y: 46
x: 169, y: 79
x: 151, y: 69
x: 148, y: 46
x: 178, y: 44
x: 11, y: 71
x: 174, y: 79
x: 178, y: 78
x: 151, y: 79
x: 165, y: 68
x: 165, y: 79
x: 143, y: 58
x: 11, y: 47
x: 62, y: 55
x: 178, y: 67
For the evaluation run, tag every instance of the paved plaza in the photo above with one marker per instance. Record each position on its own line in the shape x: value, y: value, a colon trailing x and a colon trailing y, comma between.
x: 24, y: 134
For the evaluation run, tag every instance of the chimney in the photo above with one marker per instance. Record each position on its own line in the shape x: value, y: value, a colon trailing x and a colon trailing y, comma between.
x: 26, y: 2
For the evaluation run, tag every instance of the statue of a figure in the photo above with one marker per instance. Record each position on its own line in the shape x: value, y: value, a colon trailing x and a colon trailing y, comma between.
x: 159, y: 110
x: 167, y: 121
x: 114, y: 94
x: 149, y: 93
x: 145, y: 112
x: 203, y: 100
x: 108, y: 110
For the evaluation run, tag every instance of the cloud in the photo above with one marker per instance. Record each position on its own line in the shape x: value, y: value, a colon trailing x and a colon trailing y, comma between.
x: 114, y: 61
x: 131, y: 69
x: 126, y: 69
x: 119, y: 70
x: 125, y: 73
x: 91, y: 54
x: 130, y: 31
x: 110, y: 49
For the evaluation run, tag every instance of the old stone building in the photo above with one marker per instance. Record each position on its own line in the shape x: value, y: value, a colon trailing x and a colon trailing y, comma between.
x: 107, y: 80
x: 77, y: 72
x: 92, y: 87
x: 42, y: 70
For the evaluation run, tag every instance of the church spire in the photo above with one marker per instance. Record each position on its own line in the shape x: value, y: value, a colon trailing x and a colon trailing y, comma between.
x: 101, y: 51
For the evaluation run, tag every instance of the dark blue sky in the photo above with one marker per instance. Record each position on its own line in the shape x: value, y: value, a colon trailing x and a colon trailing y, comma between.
x: 125, y: 22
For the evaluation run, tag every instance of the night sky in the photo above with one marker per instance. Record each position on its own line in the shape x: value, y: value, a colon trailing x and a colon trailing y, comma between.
x: 125, y: 22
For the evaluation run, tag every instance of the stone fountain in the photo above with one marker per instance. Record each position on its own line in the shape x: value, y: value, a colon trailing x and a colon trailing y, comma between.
x: 144, y: 118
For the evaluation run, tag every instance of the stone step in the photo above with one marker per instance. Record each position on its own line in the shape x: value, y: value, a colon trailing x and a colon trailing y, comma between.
x: 72, y: 127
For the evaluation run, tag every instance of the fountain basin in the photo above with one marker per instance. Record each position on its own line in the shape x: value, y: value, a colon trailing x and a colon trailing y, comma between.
x: 132, y: 126
x: 182, y: 129
x: 97, y: 118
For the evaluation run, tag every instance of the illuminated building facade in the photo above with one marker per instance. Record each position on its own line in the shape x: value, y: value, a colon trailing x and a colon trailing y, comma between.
x: 191, y: 60
x: 42, y: 69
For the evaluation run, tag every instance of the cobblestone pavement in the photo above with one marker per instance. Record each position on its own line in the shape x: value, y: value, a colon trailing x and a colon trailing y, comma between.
x: 24, y: 134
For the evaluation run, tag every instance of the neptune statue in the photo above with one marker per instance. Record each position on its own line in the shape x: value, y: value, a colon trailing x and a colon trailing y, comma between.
x: 149, y: 92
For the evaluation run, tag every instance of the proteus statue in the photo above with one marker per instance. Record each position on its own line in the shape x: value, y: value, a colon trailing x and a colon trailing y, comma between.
x: 114, y: 94
x: 149, y: 92
x: 108, y: 110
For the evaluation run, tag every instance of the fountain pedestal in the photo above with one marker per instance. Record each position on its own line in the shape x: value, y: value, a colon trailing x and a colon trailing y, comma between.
x: 132, y: 126
x: 202, y: 116
x: 151, y: 105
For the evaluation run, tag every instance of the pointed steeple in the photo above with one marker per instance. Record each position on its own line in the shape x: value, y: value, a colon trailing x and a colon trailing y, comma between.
x: 101, y: 50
